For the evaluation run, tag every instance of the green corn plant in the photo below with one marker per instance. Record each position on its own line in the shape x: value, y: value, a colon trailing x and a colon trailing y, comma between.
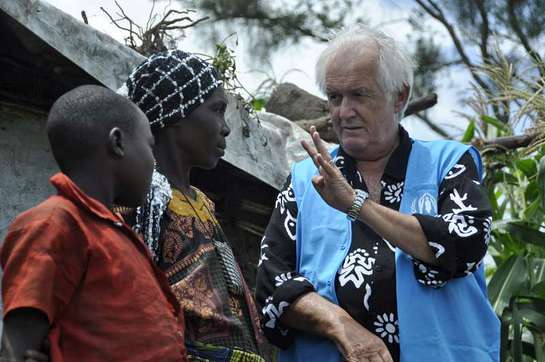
x: 515, y: 180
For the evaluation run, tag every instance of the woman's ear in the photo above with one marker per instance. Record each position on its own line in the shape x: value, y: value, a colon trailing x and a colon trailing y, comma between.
x: 116, y: 142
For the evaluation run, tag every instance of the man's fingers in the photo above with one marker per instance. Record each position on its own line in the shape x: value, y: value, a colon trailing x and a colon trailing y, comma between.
x: 318, y: 182
x: 319, y: 144
x: 328, y: 167
x: 311, y: 152
x: 356, y: 357
x: 385, y: 355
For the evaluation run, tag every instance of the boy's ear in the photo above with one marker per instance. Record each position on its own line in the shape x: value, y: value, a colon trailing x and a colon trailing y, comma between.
x: 116, y: 142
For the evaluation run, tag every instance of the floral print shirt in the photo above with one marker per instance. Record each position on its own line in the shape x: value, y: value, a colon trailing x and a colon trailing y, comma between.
x: 366, y: 283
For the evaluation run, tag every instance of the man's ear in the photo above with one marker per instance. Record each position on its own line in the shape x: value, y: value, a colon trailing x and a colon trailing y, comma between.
x: 402, y: 98
x: 116, y: 142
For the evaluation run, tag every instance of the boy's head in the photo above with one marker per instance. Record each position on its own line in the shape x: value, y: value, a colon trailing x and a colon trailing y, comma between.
x: 94, y: 131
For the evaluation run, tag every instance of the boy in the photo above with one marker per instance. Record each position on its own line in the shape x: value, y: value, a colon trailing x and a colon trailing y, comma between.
x: 73, y: 270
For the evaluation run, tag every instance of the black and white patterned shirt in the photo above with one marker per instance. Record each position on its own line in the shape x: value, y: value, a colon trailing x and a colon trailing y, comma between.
x: 366, y: 282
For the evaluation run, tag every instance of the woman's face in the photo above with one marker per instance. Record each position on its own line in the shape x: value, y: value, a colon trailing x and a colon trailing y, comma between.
x: 200, y: 137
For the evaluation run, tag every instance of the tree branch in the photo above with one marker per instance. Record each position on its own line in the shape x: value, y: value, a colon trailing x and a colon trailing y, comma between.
x: 502, y: 144
x: 485, y: 31
x: 116, y: 23
x: 435, y: 128
x: 269, y: 22
x: 513, y: 21
x: 84, y: 17
x: 421, y: 104
x: 439, y: 16
x: 153, y: 37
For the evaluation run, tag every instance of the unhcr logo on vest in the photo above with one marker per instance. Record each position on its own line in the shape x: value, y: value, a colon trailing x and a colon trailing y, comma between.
x: 425, y: 204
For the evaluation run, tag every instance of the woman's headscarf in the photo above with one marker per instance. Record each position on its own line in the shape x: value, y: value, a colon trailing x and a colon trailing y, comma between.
x: 167, y: 87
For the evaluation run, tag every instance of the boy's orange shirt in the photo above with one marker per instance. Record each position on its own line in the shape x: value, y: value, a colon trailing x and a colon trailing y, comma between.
x: 80, y: 264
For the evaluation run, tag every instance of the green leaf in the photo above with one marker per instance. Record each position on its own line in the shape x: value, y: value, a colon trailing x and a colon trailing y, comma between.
x: 539, y: 289
x: 469, y: 133
x: 504, y: 177
x: 505, y: 320
x: 525, y: 233
x: 541, y: 180
x: 532, y: 317
x: 531, y: 210
x: 494, y: 203
x: 494, y: 122
x: 539, y: 345
x: 532, y: 192
x: 510, y: 278
x: 528, y: 166
x: 258, y: 104
x: 537, y: 268
x: 516, y: 347
x: 532, y: 311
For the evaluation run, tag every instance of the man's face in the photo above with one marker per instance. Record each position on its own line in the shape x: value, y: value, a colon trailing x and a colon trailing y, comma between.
x: 363, y: 116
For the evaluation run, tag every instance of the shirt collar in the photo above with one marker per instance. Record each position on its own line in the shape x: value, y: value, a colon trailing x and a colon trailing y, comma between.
x: 68, y: 189
x: 396, y: 168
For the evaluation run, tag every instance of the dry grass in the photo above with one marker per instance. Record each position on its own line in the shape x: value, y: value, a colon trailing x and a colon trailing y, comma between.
x: 516, y: 98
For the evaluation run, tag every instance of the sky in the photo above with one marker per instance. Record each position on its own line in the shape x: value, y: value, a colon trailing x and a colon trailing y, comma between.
x: 293, y: 64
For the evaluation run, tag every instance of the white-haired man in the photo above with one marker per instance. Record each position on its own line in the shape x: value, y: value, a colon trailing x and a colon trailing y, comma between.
x: 374, y: 250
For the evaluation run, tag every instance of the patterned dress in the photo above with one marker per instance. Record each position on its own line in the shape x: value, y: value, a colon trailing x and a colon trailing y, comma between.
x: 221, y: 325
x: 366, y: 282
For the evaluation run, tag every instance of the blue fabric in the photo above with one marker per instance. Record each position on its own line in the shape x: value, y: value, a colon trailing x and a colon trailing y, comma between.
x: 452, y: 323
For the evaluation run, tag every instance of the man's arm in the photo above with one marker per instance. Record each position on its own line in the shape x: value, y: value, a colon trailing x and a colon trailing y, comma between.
x: 278, y: 284
x: 288, y: 300
x: 314, y: 314
x: 460, y: 231
x: 25, y: 329
x: 403, y: 231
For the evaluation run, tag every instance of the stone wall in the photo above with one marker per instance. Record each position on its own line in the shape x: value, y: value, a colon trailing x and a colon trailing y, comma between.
x: 26, y: 162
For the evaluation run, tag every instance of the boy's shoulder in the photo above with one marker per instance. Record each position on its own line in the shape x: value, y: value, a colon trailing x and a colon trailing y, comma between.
x: 55, y: 209
x: 54, y: 227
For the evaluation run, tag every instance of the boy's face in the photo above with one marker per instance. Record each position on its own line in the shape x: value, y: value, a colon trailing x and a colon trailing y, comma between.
x: 136, y: 167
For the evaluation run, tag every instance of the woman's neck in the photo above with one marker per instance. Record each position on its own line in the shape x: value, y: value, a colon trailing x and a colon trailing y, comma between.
x: 175, y: 169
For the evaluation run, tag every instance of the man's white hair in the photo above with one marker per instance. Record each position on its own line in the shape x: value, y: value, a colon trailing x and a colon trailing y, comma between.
x: 396, y: 67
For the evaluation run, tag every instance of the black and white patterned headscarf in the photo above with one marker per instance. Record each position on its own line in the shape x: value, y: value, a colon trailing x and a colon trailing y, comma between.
x: 167, y: 87
x: 170, y: 85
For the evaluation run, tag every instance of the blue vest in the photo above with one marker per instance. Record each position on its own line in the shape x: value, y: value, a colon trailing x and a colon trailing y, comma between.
x: 448, y: 324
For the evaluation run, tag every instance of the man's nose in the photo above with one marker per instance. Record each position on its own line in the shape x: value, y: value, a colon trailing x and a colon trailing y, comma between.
x: 346, y: 110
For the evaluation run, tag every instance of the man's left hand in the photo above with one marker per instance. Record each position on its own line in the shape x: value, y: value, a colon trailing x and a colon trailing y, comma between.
x: 330, y: 183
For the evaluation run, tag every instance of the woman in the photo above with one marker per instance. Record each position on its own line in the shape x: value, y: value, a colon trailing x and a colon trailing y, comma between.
x: 183, y: 98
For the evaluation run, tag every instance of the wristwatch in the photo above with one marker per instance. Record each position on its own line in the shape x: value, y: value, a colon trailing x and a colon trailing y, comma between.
x: 354, y: 211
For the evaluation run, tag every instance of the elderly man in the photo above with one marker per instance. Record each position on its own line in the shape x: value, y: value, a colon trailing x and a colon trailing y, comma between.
x: 373, y: 251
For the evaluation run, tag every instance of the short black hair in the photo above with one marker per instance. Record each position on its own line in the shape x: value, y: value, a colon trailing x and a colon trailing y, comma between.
x: 79, y: 121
